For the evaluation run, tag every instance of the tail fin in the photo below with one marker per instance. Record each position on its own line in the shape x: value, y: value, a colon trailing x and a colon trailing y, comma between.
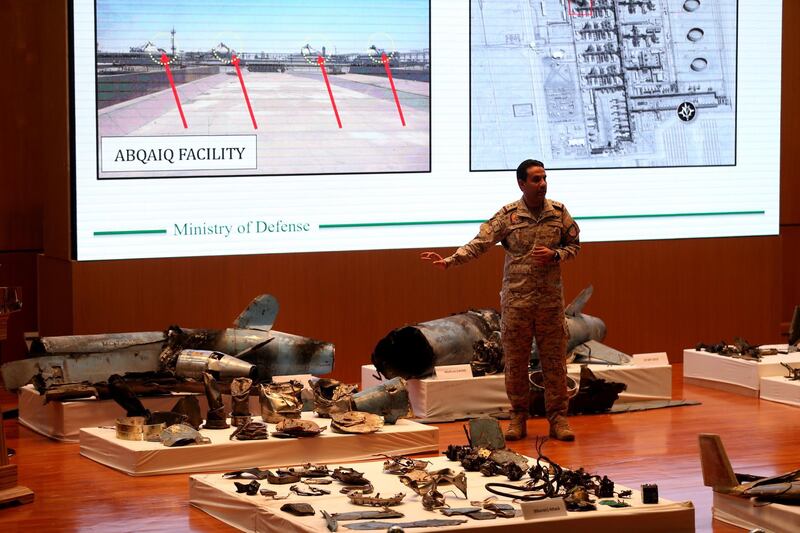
x: 717, y: 471
x: 576, y: 306
x: 794, y: 329
x: 260, y: 313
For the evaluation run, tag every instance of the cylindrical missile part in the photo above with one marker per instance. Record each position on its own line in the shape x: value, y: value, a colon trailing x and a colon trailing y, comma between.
x: 414, y: 351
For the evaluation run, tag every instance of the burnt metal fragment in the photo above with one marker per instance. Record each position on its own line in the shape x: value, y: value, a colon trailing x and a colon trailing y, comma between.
x: 331, y: 396
x: 272, y: 494
x: 650, y: 493
x: 389, y: 400
x: 215, y: 419
x: 250, y: 473
x: 282, y: 477
x: 456, y: 511
x: 125, y: 397
x: 251, y: 489
x: 359, y: 498
x: 309, y: 491
x: 182, y: 435
x: 277, y: 404
x: 240, y: 400
x: 363, y: 489
x: 251, y: 431
x: 330, y: 521
x: 386, y: 513
x: 794, y: 373
x: 137, y: 428
x: 307, y: 470
x: 485, y: 432
x: 289, y: 428
x: 356, y: 422
x: 488, y: 358
x: 349, y: 476
x: 298, y: 509
x: 189, y: 406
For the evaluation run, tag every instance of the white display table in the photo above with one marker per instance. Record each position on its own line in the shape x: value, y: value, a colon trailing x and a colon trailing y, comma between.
x: 141, y: 458
x: 741, y: 512
x: 733, y: 375
x: 218, y: 497
x: 455, y: 399
x: 63, y: 420
x: 782, y: 390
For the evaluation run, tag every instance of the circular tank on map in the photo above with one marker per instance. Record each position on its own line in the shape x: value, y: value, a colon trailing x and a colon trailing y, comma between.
x: 691, y: 5
x: 695, y: 34
x: 699, y: 64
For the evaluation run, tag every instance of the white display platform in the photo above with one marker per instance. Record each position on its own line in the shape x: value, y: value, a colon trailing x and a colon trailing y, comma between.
x: 141, y: 458
x: 456, y: 399
x: 782, y: 390
x: 741, y: 512
x: 733, y: 375
x: 63, y: 420
x: 218, y: 497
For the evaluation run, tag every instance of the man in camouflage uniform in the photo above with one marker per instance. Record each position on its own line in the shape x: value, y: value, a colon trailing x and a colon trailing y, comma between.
x: 537, y: 235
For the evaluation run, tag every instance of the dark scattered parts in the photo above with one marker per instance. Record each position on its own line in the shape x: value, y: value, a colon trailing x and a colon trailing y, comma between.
x: 614, y: 503
x: 740, y: 349
x: 251, y: 431
x: 594, y: 395
x: 547, y: 478
x: 434, y: 522
x: 488, y: 357
x: 298, y: 509
x: 282, y: 477
x: 330, y: 521
x: 794, y: 373
x: 289, y: 428
x: 650, y: 493
x: 251, y: 489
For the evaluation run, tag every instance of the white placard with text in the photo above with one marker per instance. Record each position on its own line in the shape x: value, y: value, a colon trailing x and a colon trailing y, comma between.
x: 454, y: 372
x: 549, y: 508
x: 651, y: 359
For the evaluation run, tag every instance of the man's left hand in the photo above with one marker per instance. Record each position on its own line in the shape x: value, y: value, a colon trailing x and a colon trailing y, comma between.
x: 543, y: 254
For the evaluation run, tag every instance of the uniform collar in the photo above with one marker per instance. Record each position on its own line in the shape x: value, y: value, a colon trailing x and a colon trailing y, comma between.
x: 522, y: 209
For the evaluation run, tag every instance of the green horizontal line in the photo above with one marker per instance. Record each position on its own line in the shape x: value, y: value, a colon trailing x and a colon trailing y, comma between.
x: 599, y: 217
x: 131, y: 232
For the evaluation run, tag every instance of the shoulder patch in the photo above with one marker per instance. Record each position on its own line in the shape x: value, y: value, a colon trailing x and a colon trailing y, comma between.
x: 509, y: 207
x: 557, y: 205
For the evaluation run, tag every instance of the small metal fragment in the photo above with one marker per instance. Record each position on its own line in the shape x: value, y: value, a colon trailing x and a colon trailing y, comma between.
x: 298, y: 509
x: 251, y: 489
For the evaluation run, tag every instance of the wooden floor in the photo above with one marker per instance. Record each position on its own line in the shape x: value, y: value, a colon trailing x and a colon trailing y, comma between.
x: 76, y: 494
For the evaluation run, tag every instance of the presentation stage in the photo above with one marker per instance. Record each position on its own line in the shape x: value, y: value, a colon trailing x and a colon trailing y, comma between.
x: 212, y: 127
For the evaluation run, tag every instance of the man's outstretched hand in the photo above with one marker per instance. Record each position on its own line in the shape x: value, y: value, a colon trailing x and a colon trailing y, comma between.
x: 435, y: 258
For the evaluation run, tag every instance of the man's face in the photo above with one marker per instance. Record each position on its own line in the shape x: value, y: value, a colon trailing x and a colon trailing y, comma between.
x: 534, y: 188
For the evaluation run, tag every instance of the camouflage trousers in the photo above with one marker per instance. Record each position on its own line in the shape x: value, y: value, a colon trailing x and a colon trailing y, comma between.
x: 519, y: 325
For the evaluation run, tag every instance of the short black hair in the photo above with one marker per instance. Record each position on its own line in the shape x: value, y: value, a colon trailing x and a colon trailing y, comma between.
x: 522, y: 169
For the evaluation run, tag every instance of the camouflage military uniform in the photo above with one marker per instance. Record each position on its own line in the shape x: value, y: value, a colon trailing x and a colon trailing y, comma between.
x: 532, y: 297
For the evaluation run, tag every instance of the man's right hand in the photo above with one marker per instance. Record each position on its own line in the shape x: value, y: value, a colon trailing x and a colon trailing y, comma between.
x: 436, y: 259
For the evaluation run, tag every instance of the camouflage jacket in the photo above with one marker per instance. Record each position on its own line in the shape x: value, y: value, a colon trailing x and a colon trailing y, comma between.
x: 525, y: 282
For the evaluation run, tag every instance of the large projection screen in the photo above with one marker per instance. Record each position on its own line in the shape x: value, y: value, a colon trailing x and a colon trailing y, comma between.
x: 224, y: 127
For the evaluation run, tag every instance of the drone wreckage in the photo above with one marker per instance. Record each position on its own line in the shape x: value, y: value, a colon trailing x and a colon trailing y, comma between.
x: 485, y: 453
